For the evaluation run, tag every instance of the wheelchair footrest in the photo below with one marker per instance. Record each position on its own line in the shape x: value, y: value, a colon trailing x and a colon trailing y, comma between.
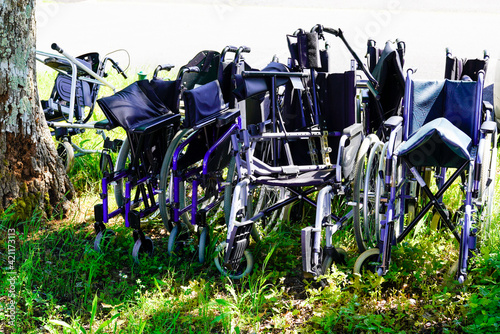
x: 307, y: 252
x: 237, y: 244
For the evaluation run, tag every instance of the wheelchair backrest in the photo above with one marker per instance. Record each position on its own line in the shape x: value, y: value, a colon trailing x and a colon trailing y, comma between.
x: 202, y: 103
x: 209, y: 64
x: 136, y: 103
x: 457, y: 68
x: 305, y: 52
x: 387, y: 69
x: 454, y: 100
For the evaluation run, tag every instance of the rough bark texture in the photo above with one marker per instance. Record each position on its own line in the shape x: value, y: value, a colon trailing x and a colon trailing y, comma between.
x: 31, y: 175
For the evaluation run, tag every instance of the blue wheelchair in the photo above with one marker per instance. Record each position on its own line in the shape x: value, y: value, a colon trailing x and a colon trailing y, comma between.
x: 447, y: 128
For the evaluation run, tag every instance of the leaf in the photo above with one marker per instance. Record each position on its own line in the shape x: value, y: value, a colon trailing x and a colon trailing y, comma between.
x: 94, y: 311
x: 106, y: 323
x: 141, y: 329
x: 60, y: 323
x: 222, y: 302
x: 218, y: 318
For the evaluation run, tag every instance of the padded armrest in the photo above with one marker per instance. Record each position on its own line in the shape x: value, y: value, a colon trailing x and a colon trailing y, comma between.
x: 487, y: 105
x: 227, y: 117
x: 352, y: 129
x: 393, y: 121
x: 157, y: 123
x: 104, y: 125
x: 488, y: 127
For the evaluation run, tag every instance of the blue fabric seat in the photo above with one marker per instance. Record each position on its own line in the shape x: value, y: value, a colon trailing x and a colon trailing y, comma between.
x: 437, y: 143
x: 442, y: 123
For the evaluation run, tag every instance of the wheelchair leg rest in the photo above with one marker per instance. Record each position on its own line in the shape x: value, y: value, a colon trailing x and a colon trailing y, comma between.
x: 387, y: 240
x: 99, y: 213
x: 309, y: 268
x: 134, y: 219
x: 237, y: 244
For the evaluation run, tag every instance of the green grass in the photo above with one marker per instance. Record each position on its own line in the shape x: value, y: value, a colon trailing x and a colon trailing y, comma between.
x: 63, y: 286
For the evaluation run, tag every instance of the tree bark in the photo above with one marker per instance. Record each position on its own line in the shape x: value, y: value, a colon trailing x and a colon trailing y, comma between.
x: 32, y: 176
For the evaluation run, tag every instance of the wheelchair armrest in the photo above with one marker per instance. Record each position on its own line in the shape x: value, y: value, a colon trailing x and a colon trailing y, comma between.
x: 488, y: 127
x: 104, y: 125
x: 157, y: 123
x: 352, y: 130
x: 393, y: 121
x: 227, y: 116
x: 487, y: 105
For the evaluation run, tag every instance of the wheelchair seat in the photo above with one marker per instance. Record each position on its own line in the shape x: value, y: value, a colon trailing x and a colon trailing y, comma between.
x: 438, y: 143
x: 314, y: 178
x: 442, y: 123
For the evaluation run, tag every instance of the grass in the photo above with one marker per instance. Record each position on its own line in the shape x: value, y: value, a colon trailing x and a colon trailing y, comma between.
x: 61, y: 285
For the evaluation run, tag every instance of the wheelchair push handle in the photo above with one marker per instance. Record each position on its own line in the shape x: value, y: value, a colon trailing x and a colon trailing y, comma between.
x: 241, y: 49
x: 164, y: 67
x: 229, y: 48
x: 78, y: 64
x: 244, y: 49
x: 117, y: 68
x: 190, y: 69
x: 56, y: 47
x: 338, y: 33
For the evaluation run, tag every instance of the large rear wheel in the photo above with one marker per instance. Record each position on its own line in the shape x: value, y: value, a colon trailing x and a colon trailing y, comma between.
x: 367, y: 196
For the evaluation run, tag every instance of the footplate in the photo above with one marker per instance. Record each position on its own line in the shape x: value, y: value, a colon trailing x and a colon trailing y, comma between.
x: 307, y: 253
x: 237, y: 244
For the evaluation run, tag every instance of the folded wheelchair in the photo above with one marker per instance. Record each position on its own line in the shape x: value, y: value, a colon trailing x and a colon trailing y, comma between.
x: 446, y: 128
x: 148, y: 112
x: 198, y: 171
x: 286, y: 152
x: 172, y: 152
x: 382, y: 111
x: 70, y: 107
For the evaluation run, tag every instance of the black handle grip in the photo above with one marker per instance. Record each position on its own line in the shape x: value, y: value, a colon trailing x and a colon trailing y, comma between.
x: 245, y: 49
x: 164, y: 67
x: 56, y: 47
x: 195, y: 69
x: 230, y: 48
x: 118, y: 68
x: 332, y: 31
x: 317, y: 28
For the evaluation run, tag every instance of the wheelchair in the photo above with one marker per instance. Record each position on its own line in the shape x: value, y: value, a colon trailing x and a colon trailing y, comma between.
x: 382, y: 110
x: 70, y: 106
x: 311, y: 113
x: 148, y: 112
x: 446, y: 128
x: 198, y: 170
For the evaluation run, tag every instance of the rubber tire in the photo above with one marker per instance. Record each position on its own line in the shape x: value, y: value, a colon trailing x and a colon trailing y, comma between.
x: 487, y: 193
x: 171, y: 239
x: 138, y: 248
x: 361, y: 174
x: 328, y: 261
x: 204, y: 238
x: 371, y: 255
x: 248, y: 258
x: 164, y: 184
x: 228, y: 190
x: 267, y: 197
x: 121, y: 160
x: 67, y: 154
x: 101, y: 237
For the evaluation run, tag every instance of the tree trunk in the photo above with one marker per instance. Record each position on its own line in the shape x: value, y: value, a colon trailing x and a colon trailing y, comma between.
x: 31, y: 175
